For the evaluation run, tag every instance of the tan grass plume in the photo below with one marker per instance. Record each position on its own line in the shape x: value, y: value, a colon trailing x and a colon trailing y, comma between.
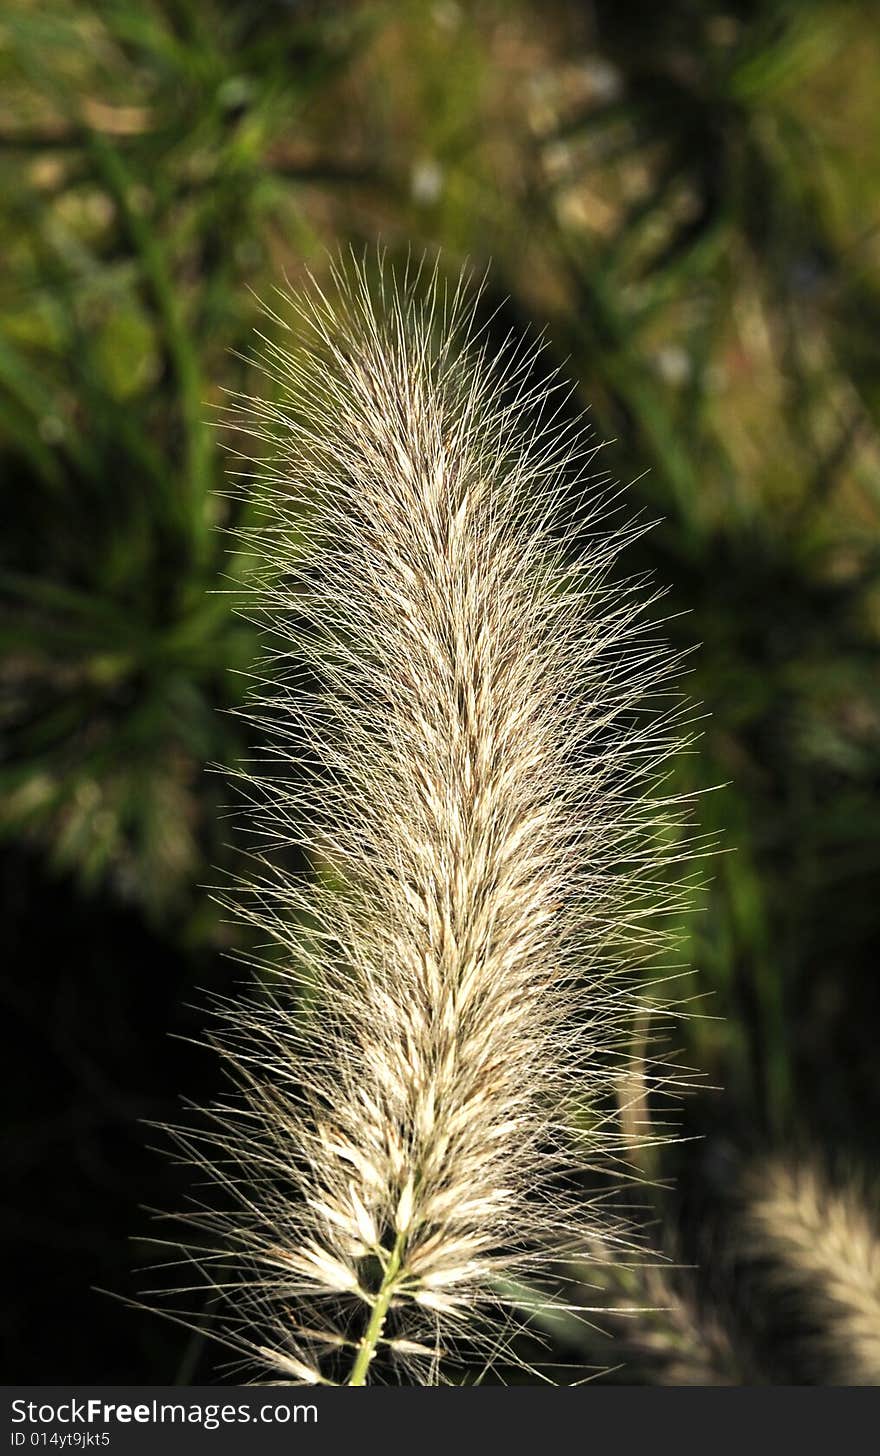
x: 469, y: 723
x: 649, y: 1321
x: 820, y: 1246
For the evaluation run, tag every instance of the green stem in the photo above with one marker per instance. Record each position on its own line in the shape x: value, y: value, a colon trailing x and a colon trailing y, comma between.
x: 181, y: 349
x: 378, y: 1314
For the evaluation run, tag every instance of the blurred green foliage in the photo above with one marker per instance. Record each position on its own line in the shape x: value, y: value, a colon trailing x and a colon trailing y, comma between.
x: 686, y: 196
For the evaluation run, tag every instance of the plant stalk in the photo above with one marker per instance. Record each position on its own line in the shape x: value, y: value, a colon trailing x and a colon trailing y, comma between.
x: 381, y: 1304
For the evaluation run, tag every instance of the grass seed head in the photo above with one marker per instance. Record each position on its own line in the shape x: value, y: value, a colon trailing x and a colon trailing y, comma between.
x: 465, y: 718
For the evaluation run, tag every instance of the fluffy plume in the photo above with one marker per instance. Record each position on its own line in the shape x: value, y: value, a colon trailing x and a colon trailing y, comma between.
x: 460, y: 839
x: 820, y: 1250
x: 665, y: 1332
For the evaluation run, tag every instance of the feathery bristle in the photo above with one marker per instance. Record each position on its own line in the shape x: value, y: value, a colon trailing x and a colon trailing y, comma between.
x: 469, y: 728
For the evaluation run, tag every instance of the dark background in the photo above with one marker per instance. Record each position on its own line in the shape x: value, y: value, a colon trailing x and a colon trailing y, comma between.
x: 685, y: 196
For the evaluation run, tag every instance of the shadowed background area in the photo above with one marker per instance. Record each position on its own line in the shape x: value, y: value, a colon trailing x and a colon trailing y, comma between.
x: 684, y: 198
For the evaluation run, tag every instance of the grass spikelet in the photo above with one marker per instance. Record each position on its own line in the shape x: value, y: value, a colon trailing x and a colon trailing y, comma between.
x: 467, y: 722
x: 820, y: 1250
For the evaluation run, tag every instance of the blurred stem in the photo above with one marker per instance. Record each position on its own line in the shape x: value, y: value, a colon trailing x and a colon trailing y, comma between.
x: 635, y: 1116
x: 183, y: 357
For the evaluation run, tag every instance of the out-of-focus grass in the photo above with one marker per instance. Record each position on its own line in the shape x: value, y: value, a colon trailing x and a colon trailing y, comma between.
x: 144, y: 174
x: 687, y: 197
